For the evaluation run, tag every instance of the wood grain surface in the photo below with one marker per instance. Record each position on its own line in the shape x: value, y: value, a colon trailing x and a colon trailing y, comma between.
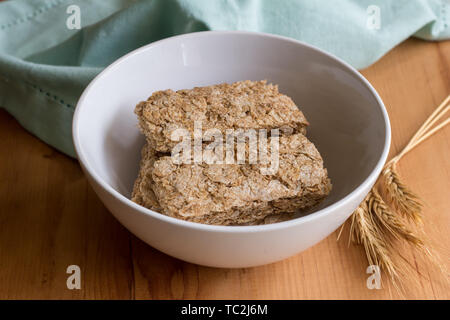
x: 50, y: 217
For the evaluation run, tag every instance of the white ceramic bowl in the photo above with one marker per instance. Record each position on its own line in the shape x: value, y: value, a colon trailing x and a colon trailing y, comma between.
x: 349, y: 126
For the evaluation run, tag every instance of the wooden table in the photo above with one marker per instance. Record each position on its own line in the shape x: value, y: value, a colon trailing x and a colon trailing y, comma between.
x: 50, y: 217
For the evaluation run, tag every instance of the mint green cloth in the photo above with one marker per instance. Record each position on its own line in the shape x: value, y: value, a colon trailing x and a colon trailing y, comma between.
x: 44, y: 65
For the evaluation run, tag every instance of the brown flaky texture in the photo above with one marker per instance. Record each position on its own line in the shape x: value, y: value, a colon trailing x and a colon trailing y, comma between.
x: 142, y: 190
x: 243, y: 104
x: 234, y: 194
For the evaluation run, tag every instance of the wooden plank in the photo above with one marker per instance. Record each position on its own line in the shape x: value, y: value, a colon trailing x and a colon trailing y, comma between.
x: 50, y: 218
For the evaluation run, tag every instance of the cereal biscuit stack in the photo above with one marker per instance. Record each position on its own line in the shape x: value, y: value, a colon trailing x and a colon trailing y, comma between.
x: 227, y: 193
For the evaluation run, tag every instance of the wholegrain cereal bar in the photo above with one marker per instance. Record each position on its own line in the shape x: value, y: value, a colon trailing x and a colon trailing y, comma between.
x: 245, y: 105
x: 234, y: 194
x: 222, y: 193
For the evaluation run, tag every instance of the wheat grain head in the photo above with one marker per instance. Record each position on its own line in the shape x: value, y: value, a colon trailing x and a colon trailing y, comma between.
x: 400, y: 196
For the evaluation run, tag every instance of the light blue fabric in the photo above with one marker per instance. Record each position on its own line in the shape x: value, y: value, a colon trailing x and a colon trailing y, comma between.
x: 44, y: 65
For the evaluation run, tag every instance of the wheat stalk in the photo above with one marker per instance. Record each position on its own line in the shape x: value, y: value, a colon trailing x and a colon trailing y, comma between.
x: 400, y: 196
x: 390, y: 221
x: 376, y: 223
x: 367, y: 233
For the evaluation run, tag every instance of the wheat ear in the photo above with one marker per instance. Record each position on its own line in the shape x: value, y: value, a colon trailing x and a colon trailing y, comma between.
x: 392, y: 225
x: 366, y: 232
x: 374, y: 223
x: 403, y: 199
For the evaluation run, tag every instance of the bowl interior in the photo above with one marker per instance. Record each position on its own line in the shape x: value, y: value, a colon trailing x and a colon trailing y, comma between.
x: 346, y: 122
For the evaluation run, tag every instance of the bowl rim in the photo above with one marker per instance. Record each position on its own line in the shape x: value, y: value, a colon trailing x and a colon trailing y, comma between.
x: 367, y: 183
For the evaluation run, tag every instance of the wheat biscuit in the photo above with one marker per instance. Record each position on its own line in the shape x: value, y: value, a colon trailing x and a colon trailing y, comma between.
x: 234, y: 194
x: 243, y: 104
x: 142, y: 190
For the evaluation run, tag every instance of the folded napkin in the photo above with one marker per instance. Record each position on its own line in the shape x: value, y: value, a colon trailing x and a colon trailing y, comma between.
x: 46, y: 61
